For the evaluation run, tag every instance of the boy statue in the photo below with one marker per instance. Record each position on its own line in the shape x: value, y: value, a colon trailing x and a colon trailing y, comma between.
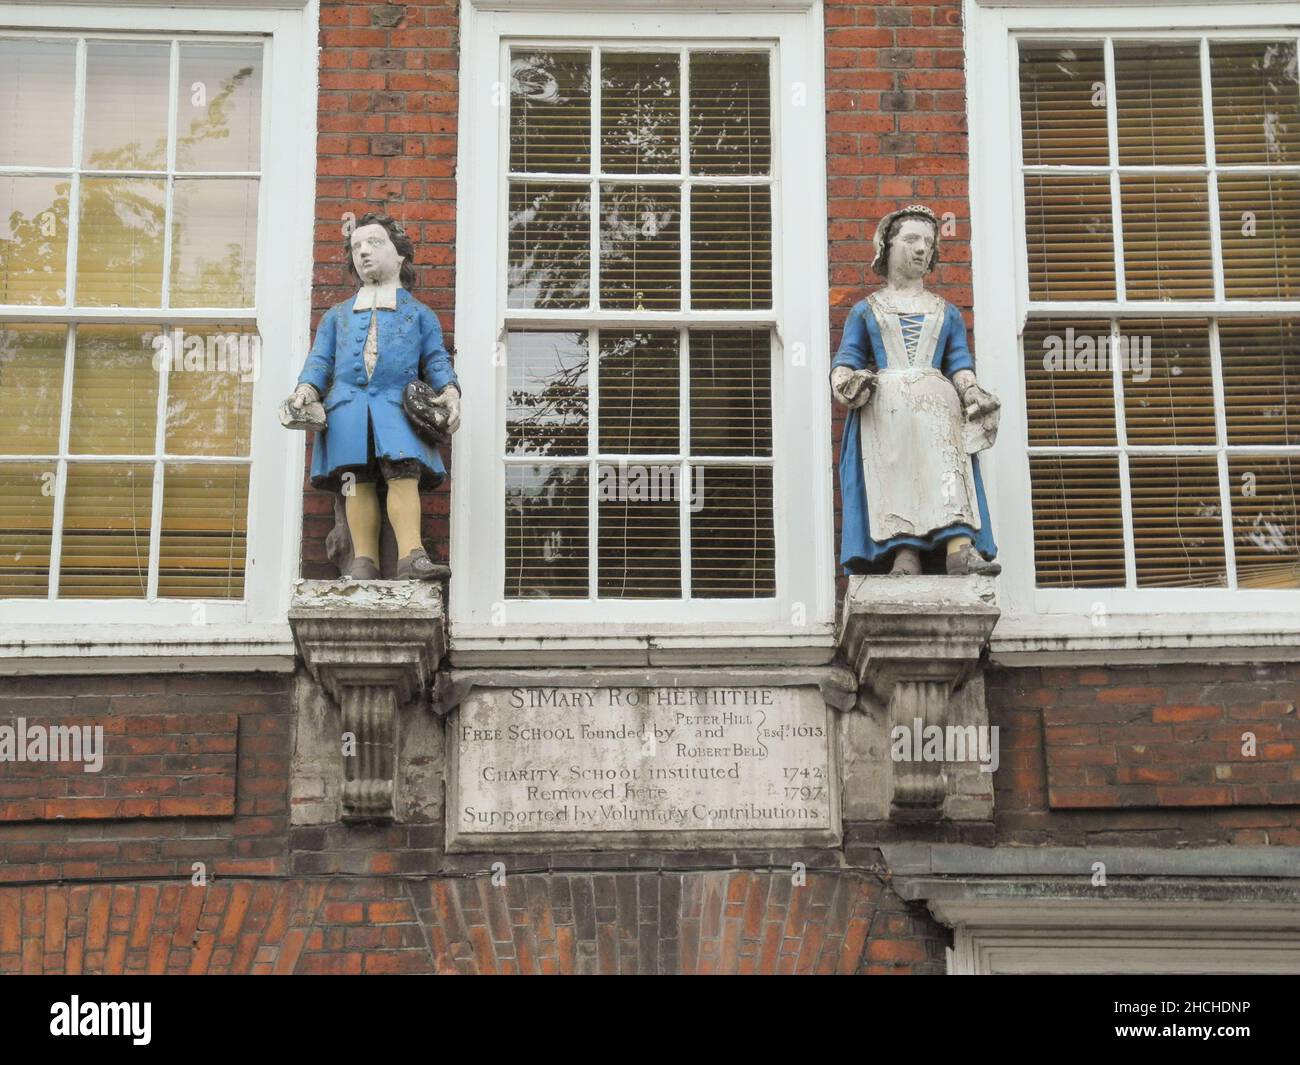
x: 368, y: 350
x: 917, y: 416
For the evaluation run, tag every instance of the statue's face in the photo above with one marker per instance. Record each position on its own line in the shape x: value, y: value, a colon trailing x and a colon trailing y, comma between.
x: 910, y: 250
x: 374, y: 256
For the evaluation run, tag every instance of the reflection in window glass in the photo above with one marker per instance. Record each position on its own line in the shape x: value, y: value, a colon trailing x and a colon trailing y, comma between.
x: 32, y: 358
x: 546, y: 394
x: 114, y: 391
x: 120, y: 244
x: 219, y: 108
x: 33, y: 239
x: 214, y: 242
x: 126, y: 105
x: 37, y: 86
x: 169, y: 236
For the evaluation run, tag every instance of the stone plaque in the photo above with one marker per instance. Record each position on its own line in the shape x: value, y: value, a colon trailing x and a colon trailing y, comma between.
x: 541, y: 768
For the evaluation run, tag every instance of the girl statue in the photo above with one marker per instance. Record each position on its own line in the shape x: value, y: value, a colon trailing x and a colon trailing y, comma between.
x: 908, y: 474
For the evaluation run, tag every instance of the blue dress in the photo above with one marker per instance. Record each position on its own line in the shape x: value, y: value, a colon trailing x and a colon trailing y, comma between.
x: 360, y: 411
x: 863, y: 348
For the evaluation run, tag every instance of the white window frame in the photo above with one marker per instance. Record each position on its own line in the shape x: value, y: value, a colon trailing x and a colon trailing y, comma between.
x: 802, y: 612
x: 256, y: 626
x: 1028, y: 936
x: 1040, y: 623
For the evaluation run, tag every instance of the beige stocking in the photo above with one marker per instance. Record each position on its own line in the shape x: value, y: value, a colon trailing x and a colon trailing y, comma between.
x: 404, y: 514
x: 362, y: 509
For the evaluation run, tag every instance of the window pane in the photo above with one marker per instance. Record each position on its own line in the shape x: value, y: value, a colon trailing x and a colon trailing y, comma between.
x: 204, y: 531
x: 1063, y: 105
x: 1166, y: 238
x: 34, y: 240
x: 219, y: 107
x: 640, y: 406
x: 120, y: 245
x: 1256, y: 101
x: 106, y: 516
x: 640, y: 248
x: 731, y: 392
x: 731, y: 113
x: 1068, y: 384
x: 1169, y: 387
x: 1078, y: 521
x: 1261, y: 379
x: 31, y: 388
x: 640, y: 113
x: 640, y: 554
x: 126, y: 105
x: 214, y: 243
x: 546, y: 532
x: 733, y: 546
x: 114, y: 391
x: 1177, y: 521
x: 550, y: 112
x: 546, y: 394
x: 1260, y: 219
x: 26, y: 529
x: 731, y: 247
x: 1068, y: 238
x: 1266, y: 519
x: 549, y: 246
x: 37, y: 84
x: 210, y: 389
x: 1158, y: 103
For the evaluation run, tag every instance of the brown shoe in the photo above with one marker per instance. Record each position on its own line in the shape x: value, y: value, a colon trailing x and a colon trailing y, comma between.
x: 967, y: 562
x: 417, y: 566
x: 363, y: 569
x: 907, y: 562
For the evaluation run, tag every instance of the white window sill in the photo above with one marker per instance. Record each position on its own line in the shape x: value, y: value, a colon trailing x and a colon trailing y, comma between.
x: 59, y: 649
x: 805, y: 649
x: 1074, y: 639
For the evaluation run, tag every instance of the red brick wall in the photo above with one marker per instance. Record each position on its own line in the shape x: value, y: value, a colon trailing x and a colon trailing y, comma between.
x: 1147, y: 755
x: 149, y: 765
x: 196, y: 769
x: 610, y: 923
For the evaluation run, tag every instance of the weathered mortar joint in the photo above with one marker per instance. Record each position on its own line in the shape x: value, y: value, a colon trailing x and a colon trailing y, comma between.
x: 374, y: 648
x: 914, y: 647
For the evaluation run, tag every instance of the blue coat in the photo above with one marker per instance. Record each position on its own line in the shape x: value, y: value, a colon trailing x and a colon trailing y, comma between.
x: 863, y: 348
x: 410, y: 343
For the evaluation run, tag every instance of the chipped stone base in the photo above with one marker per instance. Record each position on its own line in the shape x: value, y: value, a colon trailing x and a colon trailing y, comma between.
x: 913, y: 645
x: 365, y: 749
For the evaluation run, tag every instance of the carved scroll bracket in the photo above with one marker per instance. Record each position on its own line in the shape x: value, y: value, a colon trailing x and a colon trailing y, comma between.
x: 374, y: 648
x: 911, y: 643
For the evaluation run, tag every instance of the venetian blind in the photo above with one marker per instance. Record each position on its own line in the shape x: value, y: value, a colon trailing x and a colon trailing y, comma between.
x: 675, y: 460
x: 1141, y: 426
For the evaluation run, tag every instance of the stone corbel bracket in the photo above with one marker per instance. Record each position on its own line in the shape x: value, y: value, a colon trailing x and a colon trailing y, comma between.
x: 374, y: 648
x: 911, y: 642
